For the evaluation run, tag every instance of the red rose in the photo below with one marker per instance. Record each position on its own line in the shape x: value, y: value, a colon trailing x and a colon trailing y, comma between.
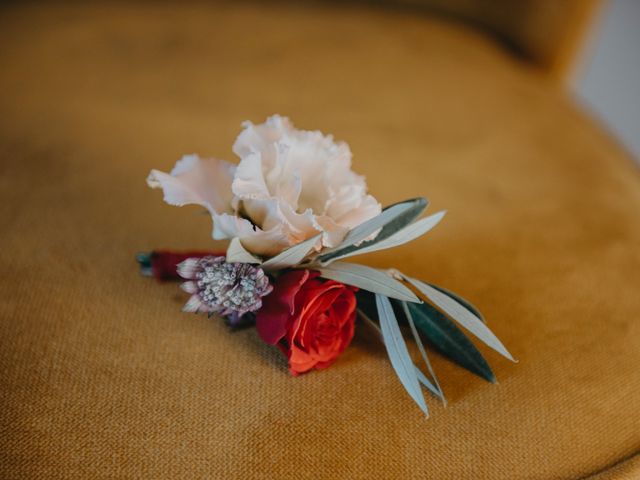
x: 311, y: 320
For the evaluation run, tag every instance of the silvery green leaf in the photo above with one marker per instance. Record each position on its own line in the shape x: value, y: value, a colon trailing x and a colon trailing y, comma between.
x: 438, y: 390
x: 368, y: 311
x: 398, y: 353
x: 292, y: 256
x: 367, y: 278
x: 406, y: 235
x: 392, y: 219
x: 236, y: 253
x: 462, y: 316
x: 462, y: 301
x: 449, y: 340
x: 422, y: 378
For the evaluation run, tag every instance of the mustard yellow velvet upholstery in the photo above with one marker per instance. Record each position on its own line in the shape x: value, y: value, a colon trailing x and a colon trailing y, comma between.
x: 102, y: 376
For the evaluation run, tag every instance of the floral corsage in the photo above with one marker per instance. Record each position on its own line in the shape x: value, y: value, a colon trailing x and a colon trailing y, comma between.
x: 293, y: 212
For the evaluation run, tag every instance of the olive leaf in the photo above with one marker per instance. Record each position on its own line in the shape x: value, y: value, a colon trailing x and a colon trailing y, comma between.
x: 367, y: 278
x: 368, y: 312
x: 423, y: 352
x: 422, y: 378
x: 462, y: 316
x: 405, y: 235
x: 398, y: 352
x: 462, y: 301
x: 449, y: 340
x: 392, y: 219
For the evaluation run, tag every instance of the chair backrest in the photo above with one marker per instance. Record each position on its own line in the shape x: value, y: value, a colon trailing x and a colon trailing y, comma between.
x: 547, y: 32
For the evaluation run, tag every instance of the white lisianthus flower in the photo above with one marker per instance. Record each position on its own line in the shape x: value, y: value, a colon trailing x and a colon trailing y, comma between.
x: 289, y: 186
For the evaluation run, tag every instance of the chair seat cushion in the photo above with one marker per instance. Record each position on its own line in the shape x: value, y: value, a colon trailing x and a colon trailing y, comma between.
x: 104, y: 377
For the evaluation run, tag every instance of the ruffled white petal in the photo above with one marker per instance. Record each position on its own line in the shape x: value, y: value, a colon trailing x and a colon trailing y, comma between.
x: 333, y: 233
x: 260, y: 137
x: 363, y: 209
x: 254, y: 239
x: 266, y: 243
x: 272, y: 213
x: 301, y: 180
x: 226, y: 226
x: 248, y: 182
x: 289, y: 185
x: 197, y: 181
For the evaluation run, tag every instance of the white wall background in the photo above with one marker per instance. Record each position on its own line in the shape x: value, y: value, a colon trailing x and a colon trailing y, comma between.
x: 607, y: 79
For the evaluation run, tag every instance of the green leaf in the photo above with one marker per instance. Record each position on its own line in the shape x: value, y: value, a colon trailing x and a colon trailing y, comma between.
x: 462, y: 301
x: 398, y: 352
x: 367, y: 278
x: 414, y: 331
x: 462, y: 316
x: 368, y: 312
x: 422, y: 378
x: 367, y: 303
x: 393, y: 218
x: 449, y: 340
x: 292, y: 256
x: 405, y: 235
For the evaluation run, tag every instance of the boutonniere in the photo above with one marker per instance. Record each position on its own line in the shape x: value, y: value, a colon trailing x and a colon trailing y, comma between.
x: 295, y: 214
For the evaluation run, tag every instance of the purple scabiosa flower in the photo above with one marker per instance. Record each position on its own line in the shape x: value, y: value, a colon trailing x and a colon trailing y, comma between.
x: 227, y: 289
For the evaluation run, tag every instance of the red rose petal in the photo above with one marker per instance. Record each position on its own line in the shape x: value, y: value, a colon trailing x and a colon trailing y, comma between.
x: 312, y: 320
x: 278, y: 307
x: 316, y: 303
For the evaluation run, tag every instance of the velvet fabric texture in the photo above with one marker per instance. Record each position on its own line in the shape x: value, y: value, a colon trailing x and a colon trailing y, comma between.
x: 102, y: 376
